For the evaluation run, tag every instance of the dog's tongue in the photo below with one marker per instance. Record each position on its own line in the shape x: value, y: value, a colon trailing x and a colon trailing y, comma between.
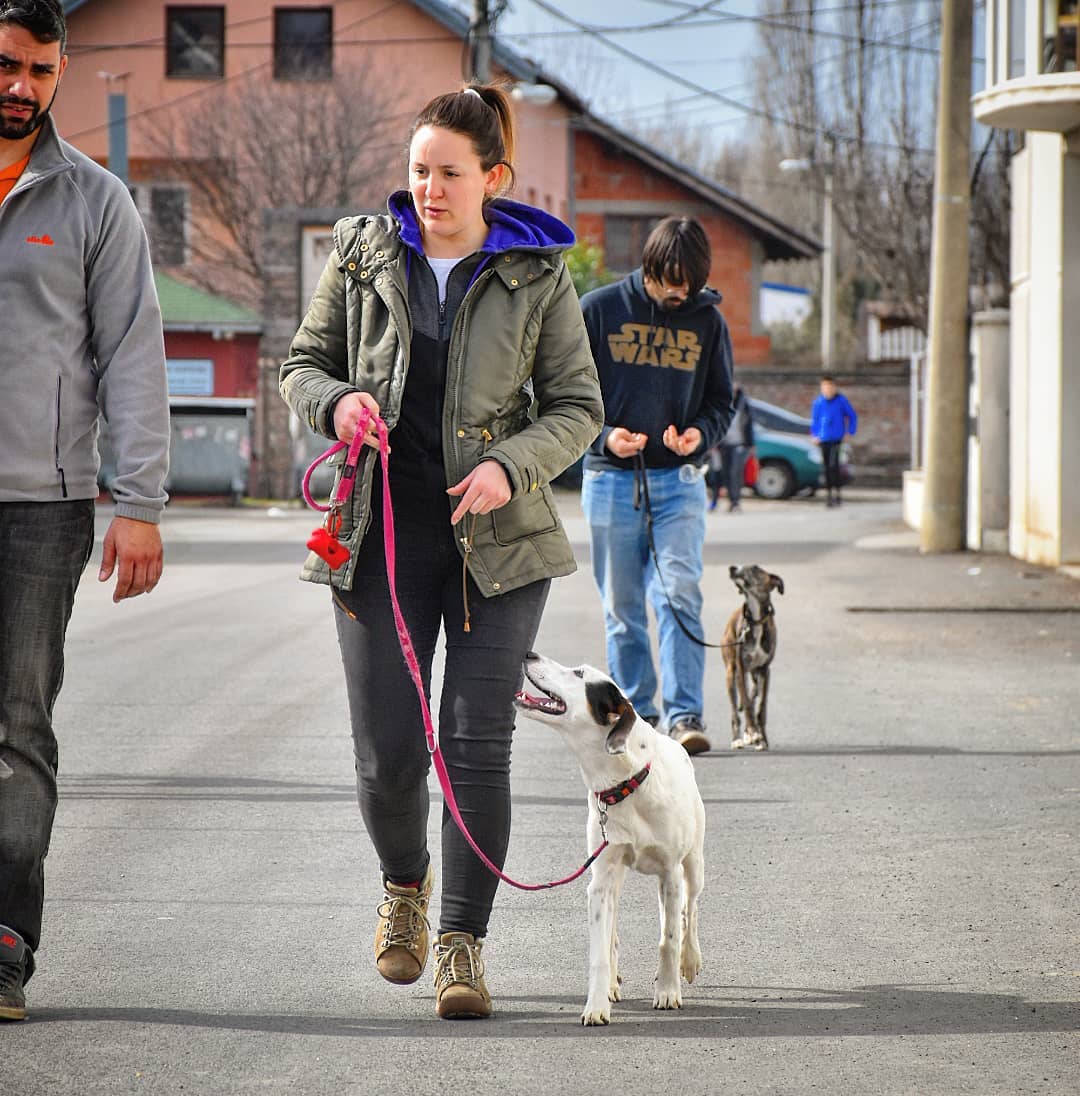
x: 528, y: 698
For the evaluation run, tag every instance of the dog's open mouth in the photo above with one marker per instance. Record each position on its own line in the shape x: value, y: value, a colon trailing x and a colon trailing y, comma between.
x: 533, y: 698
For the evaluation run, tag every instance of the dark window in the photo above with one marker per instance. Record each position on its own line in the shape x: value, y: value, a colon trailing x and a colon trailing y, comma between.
x: 624, y: 241
x: 303, y: 43
x: 195, y: 41
x: 166, y: 222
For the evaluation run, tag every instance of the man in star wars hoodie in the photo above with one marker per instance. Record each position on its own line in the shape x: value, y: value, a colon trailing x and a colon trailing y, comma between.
x: 663, y: 353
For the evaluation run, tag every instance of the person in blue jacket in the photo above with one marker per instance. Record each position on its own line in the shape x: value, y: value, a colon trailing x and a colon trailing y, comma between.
x: 831, y: 418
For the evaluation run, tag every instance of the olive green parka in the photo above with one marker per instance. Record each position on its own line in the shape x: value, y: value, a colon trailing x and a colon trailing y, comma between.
x: 521, y: 389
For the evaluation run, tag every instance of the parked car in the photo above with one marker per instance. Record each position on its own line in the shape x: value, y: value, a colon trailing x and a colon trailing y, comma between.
x: 789, y: 459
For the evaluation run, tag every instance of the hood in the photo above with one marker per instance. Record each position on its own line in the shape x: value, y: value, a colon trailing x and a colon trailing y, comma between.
x: 514, y: 225
x: 704, y: 298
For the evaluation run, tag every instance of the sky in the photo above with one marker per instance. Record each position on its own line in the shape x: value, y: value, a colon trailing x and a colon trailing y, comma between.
x: 712, y: 45
x: 714, y: 54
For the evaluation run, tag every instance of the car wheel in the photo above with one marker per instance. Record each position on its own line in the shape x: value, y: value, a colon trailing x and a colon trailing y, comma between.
x: 775, y: 480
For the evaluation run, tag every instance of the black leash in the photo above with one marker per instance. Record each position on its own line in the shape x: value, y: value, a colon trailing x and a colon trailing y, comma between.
x: 641, y: 498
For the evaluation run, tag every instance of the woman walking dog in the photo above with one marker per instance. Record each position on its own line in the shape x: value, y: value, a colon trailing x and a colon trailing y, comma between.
x: 449, y: 317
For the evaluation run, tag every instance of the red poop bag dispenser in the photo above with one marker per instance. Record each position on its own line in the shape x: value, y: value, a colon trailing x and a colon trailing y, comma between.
x: 324, y: 540
x: 325, y: 544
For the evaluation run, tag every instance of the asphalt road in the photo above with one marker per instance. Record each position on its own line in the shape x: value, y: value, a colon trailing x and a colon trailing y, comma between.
x: 891, y: 897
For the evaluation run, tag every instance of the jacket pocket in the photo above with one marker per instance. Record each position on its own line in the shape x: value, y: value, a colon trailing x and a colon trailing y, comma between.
x: 528, y: 515
x: 57, y: 434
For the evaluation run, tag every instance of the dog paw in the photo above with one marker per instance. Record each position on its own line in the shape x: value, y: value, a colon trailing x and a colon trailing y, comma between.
x: 690, y: 967
x: 737, y: 743
x: 596, y: 1017
x: 667, y: 999
x: 615, y: 993
x: 761, y: 744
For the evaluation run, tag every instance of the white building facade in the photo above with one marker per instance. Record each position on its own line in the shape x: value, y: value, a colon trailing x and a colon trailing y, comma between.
x: 1033, y: 85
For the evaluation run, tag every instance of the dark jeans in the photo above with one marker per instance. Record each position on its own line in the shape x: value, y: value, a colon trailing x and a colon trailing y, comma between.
x: 733, y: 463
x: 830, y: 454
x: 476, y: 714
x: 44, y: 547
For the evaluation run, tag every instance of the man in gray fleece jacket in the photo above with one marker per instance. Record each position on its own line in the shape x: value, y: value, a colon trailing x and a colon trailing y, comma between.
x: 81, y: 332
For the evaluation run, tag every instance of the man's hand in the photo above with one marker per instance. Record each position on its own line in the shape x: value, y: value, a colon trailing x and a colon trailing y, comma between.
x: 484, y: 489
x: 684, y: 444
x: 347, y: 412
x: 133, y: 549
x: 623, y: 443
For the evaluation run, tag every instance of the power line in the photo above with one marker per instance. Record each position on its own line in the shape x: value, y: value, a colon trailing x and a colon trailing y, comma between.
x: 746, y: 108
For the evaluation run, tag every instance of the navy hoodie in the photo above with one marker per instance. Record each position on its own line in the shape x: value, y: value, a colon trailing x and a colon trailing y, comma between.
x: 658, y: 368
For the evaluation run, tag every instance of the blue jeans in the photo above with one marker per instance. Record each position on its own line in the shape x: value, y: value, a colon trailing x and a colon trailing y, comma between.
x: 626, y: 576
x: 44, y: 547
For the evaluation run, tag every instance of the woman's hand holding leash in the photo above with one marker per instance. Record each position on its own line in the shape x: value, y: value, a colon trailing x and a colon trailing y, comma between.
x: 485, y: 488
x: 348, y: 412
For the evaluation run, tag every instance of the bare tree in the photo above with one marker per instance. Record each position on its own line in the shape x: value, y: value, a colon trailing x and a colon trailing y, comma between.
x: 853, y: 90
x: 264, y: 145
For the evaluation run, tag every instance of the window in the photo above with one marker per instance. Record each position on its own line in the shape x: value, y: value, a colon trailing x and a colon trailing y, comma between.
x: 164, y: 211
x: 1061, y: 47
x: 1017, y: 31
x: 303, y: 43
x: 195, y: 42
x: 624, y: 241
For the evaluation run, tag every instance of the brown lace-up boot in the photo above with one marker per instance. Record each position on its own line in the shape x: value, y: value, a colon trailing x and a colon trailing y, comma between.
x: 460, y: 992
x: 401, y: 940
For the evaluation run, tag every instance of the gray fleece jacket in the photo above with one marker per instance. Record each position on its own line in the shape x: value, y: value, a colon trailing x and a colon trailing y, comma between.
x: 81, y: 330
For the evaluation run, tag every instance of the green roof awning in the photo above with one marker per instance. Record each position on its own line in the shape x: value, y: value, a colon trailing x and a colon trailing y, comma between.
x: 183, y: 307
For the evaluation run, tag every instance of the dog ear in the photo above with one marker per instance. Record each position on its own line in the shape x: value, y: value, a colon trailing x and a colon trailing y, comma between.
x: 605, y: 701
x: 777, y: 583
x: 617, y: 738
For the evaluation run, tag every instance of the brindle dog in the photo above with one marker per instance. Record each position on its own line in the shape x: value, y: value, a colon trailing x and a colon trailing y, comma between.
x: 749, y: 647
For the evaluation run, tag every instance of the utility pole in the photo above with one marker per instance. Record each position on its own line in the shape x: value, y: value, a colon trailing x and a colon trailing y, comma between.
x: 942, y: 526
x: 480, y: 42
x: 828, y: 270
x: 117, y: 106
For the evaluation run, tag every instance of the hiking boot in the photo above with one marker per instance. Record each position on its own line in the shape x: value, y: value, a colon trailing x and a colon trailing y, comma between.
x: 460, y: 992
x: 689, y: 732
x: 401, y: 940
x: 13, y: 964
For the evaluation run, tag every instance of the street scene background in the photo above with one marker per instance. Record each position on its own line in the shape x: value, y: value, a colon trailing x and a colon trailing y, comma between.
x: 890, y: 893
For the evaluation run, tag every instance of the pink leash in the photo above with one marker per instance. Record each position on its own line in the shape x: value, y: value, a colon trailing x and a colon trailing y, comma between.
x: 345, y: 485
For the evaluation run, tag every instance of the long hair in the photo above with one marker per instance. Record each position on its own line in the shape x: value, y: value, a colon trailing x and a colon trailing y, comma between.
x: 481, y: 112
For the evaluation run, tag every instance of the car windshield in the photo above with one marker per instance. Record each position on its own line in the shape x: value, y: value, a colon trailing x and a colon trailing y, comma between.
x: 771, y: 417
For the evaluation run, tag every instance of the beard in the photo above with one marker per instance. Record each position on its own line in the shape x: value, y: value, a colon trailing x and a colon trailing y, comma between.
x: 670, y: 304
x: 9, y: 131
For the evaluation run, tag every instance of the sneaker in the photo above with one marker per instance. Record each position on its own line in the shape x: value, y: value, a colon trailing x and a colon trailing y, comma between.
x: 460, y: 992
x: 401, y: 940
x: 689, y: 732
x: 13, y: 963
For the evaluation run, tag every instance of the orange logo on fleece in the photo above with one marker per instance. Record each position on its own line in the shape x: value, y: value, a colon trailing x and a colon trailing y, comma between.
x: 47, y: 240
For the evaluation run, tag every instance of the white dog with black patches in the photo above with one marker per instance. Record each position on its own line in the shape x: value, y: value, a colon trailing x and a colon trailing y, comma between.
x: 644, y: 800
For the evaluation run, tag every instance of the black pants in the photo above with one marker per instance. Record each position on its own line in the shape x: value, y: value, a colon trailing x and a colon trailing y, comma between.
x: 44, y: 547
x: 830, y: 454
x: 476, y: 714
